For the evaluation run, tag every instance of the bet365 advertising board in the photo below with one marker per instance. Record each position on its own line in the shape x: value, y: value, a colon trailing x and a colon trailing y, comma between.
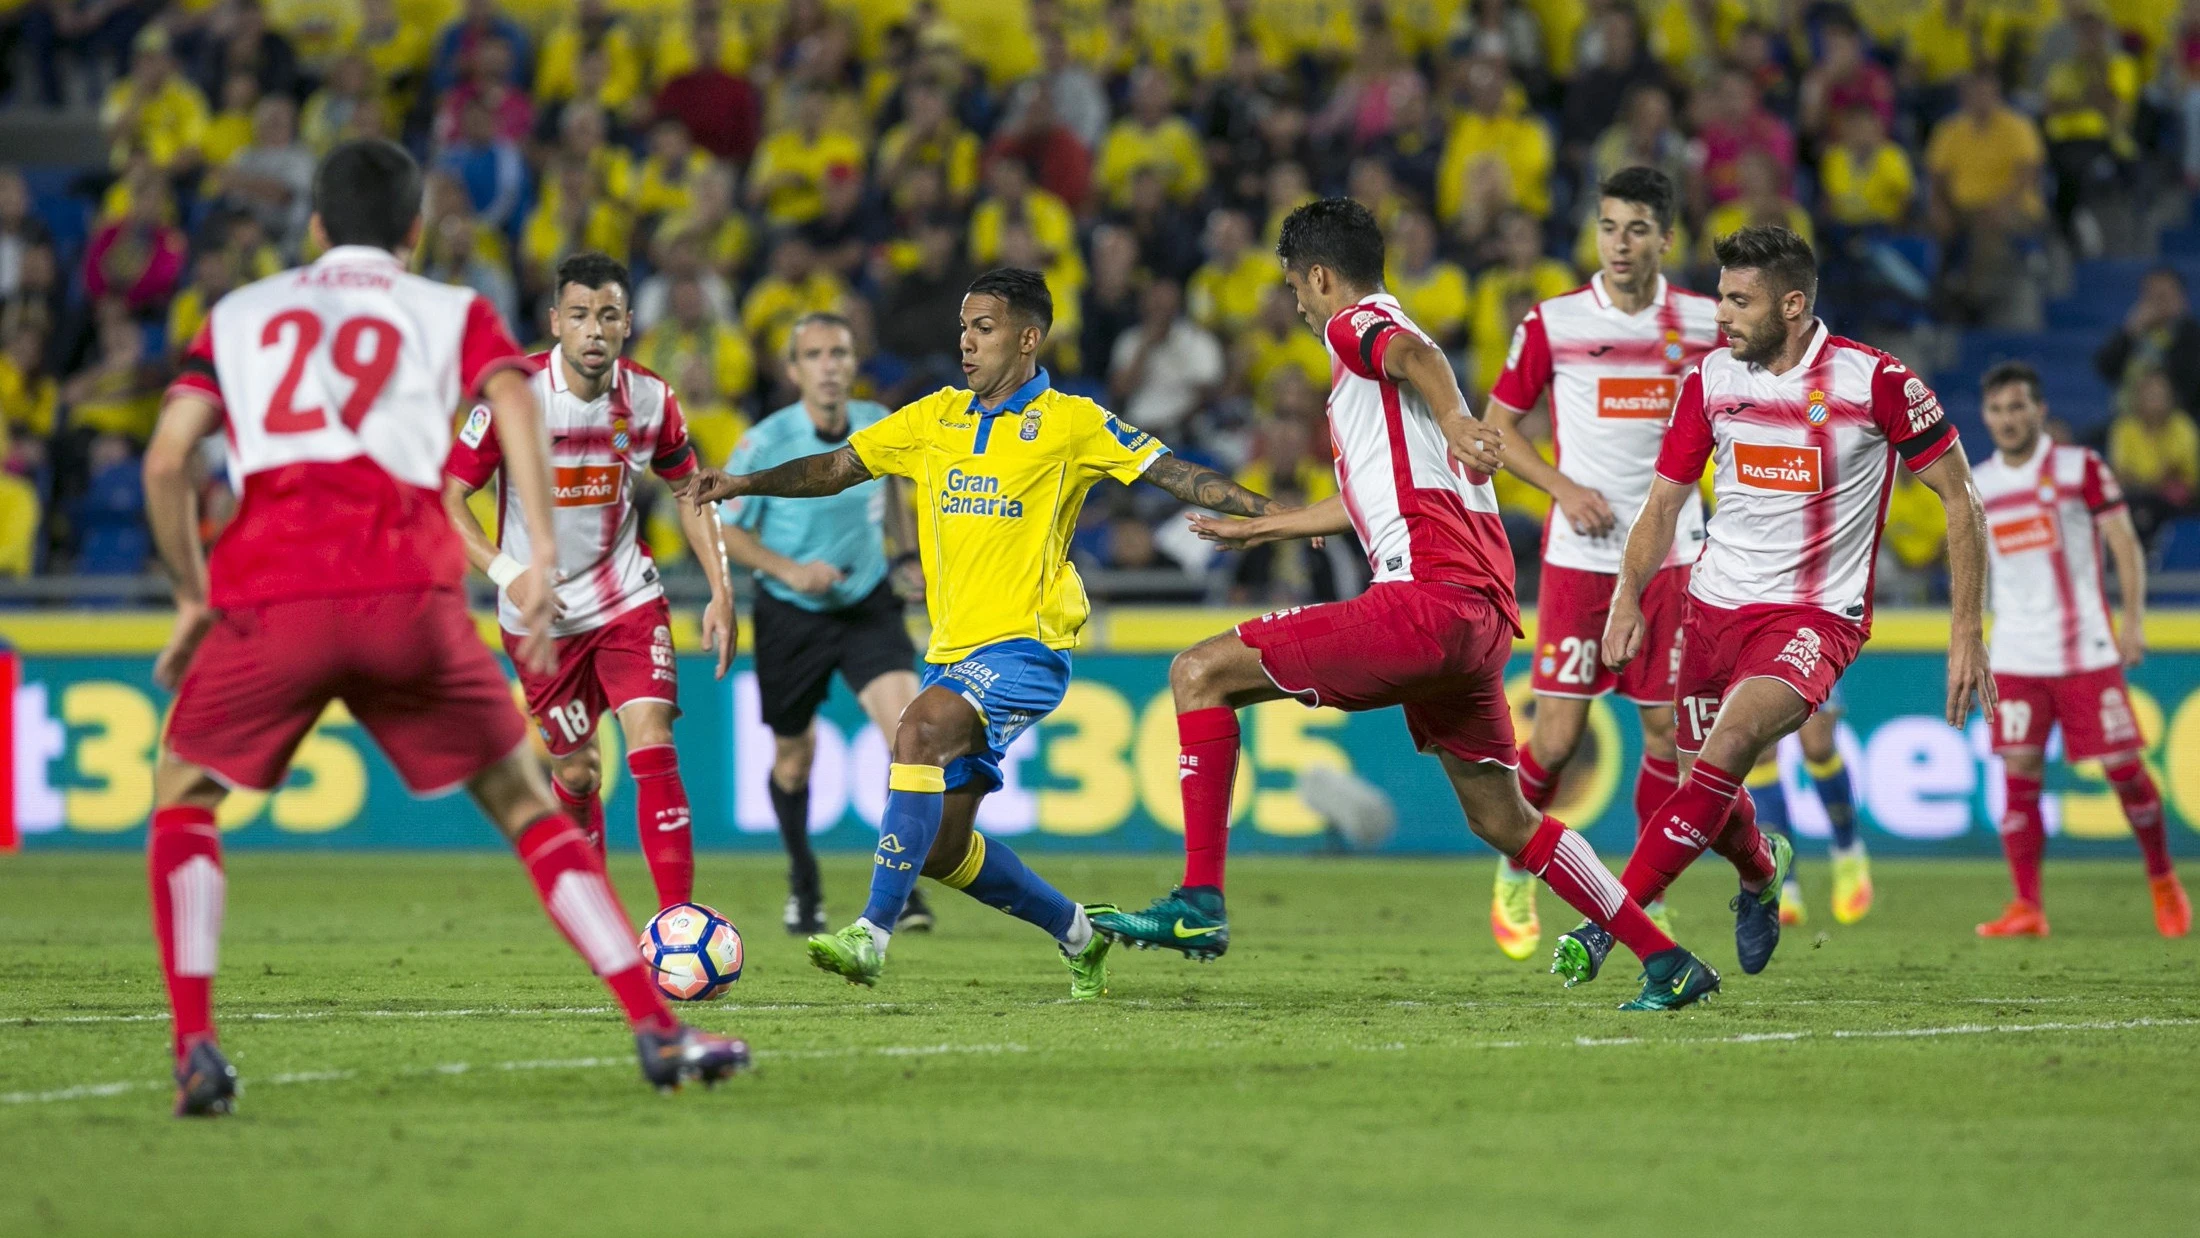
x: 1100, y: 773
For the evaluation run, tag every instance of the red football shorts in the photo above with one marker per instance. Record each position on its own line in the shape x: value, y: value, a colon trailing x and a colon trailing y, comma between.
x: 1569, y: 636
x: 2093, y: 707
x: 1438, y: 650
x: 1801, y: 646
x: 609, y: 668
x: 409, y: 666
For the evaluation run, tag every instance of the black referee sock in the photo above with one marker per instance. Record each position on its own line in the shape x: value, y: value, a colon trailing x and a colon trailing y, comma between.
x: 793, y: 810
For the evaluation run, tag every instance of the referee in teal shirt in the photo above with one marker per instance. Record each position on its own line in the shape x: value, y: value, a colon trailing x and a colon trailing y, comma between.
x: 825, y: 602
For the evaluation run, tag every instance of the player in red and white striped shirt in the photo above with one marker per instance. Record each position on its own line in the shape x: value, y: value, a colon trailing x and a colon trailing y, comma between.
x: 1431, y: 634
x: 609, y: 419
x: 1610, y: 354
x: 340, y: 579
x: 1806, y: 429
x: 2056, y: 656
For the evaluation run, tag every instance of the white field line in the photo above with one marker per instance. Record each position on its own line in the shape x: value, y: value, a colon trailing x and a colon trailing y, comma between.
x: 8, y: 1021
x: 91, y: 1091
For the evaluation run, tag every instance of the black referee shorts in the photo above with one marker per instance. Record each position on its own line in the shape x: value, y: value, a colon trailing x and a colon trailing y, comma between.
x: 798, y: 650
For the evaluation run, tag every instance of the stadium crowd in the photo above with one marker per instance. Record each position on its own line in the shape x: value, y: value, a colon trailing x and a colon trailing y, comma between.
x: 755, y: 160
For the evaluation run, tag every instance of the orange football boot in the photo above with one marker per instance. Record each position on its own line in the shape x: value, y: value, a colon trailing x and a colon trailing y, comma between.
x: 2172, y: 910
x: 2018, y: 919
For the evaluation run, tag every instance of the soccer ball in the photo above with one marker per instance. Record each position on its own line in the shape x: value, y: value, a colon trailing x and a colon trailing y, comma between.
x: 693, y: 953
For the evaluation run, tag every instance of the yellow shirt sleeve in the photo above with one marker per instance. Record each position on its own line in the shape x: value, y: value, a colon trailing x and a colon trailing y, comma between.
x: 1114, y: 447
x: 736, y: 365
x: 891, y: 446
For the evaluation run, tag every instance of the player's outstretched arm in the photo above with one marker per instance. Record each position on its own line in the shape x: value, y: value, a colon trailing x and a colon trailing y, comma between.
x: 517, y: 416
x: 1647, y: 545
x: 2131, y: 581
x: 172, y: 508
x: 1476, y: 444
x: 1201, y: 486
x: 809, y: 477
x: 1968, y: 675
x: 1282, y: 524
x: 749, y: 553
x: 1584, y: 507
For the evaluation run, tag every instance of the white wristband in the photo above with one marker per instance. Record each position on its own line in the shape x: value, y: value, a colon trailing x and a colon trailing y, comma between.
x: 504, y: 569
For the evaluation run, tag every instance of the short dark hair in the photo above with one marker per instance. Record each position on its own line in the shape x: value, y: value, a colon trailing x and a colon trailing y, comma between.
x: 1785, y: 258
x: 2168, y: 272
x: 367, y: 192
x: 1645, y: 187
x: 591, y: 269
x: 1337, y: 233
x: 817, y: 318
x: 2006, y: 372
x: 1024, y: 290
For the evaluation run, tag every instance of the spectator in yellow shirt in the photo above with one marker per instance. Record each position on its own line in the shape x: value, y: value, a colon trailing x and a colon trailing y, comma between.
x: 1433, y: 292
x: 348, y: 105
x: 1864, y: 180
x: 1505, y: 293
x: 1496, y: 158
x: 1275, y: 342
x: 2154, y: 449
x: 665, y: 181
x: 690, y: 331
x: 1915, y: 543
x: 2091, y: 95
x: 1192, y: 37
x: 1948, y: 41
x: 1225, y: 293
x: 788, y: 177
x: 1761, y: 201
x: 230, y: 129
x: 726, y: 237
x: 1151, y: 136
x: 213, y: 274
x: 678, y: 49
x: 794, y: 285
x: 930, y: 135
x: 29, y: 396
x: 591, y: 26
x: 1984, y: 163
x: 19, y: 520
x: 119, y: 393
x: 1693, y: 37
x: 576, y: 217
x: 154, y: 109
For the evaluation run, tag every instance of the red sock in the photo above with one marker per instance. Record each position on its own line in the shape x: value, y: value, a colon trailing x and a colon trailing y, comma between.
x: 2143, y: 809
x: 184, y: 867
x: 1566, y: 863
x: 569, y: 876
x: 1744, y: 845
x: 2023, y: 836
x: 1684, y: 825
x: 662, y: 819
x: 1538, y: 786
x: 1655, y: 782
x: 1206, y: 769
x: 586, y: 811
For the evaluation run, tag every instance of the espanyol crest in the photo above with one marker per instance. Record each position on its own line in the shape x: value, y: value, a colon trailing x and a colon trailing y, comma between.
x: 1817, y: 412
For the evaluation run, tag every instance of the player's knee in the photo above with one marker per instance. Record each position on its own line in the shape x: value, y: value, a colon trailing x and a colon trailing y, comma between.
x: 2125, y: 772
x: 579, y: 773
x: 927, y: 736
x: 1557, y: 733
x: 1657, y: 734
x: 791, y: 759
x: 1192, y: 676
x: 646, y: 725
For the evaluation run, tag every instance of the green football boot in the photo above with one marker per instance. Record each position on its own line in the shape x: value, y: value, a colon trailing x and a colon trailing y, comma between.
x: 1672, y: 979
x: 1187, y: 920
x: 850, y: 954
x: 1088, y: 968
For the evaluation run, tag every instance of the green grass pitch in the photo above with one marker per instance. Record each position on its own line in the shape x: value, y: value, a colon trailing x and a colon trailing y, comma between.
x: 421, y: 1055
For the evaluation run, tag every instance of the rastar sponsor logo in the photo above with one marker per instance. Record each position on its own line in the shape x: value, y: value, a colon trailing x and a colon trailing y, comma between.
x: 588, y: 485
x: 1636, y: 399
x: 2022, y: 533
x: 1791, y: 470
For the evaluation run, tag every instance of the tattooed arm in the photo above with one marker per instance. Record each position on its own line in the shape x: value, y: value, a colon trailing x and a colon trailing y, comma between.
x: 1201, y: 486
x: 827, y: 472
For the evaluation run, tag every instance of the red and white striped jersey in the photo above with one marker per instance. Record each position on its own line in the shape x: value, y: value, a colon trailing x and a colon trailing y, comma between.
x: 596, y: 449
x: 337, y: 383
x: 1613, y: 377
x: 1421, y: 514
x: 2047, y: 587
x: 1804, y: 464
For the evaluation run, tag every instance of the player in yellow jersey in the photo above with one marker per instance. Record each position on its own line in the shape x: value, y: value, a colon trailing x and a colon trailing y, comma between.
x: 1000, y: 471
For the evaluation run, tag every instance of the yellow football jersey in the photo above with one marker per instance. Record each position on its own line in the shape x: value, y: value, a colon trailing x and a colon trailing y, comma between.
x: 997, y: 500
